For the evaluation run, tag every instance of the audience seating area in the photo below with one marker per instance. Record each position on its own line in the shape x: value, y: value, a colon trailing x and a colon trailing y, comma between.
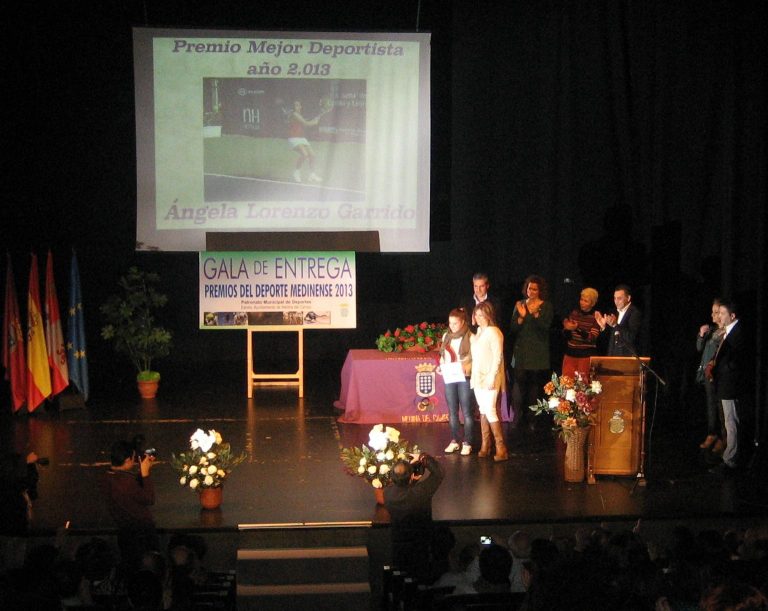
x: 592, y: 569
x: 92, y: 577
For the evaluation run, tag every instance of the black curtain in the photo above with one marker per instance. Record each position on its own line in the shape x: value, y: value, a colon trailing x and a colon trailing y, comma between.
x: 590, y: 141
x: 607, y: 142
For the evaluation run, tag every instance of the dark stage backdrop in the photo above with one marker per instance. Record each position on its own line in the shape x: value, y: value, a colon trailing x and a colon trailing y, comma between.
x: 589, y: 141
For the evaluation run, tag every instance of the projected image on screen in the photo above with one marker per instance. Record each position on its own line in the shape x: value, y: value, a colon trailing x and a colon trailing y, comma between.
x: 283, y: 132
x: 284, y: 139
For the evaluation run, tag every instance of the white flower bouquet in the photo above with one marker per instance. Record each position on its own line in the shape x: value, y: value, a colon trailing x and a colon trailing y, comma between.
x: 374, y: 461
x: 208, y: 463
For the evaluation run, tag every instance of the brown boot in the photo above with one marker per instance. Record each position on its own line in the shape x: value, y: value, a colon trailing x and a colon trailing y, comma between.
x: 485, y: 429
x: 498, y: 437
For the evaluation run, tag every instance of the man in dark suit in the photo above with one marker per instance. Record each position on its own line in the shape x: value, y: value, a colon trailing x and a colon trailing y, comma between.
x: 728, y: 372
x: 624, y: 326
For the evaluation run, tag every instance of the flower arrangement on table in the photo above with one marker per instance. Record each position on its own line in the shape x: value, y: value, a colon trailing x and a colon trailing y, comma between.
x: 570, y: 401
x: 422, y: 337
x: 374, y: 461
x: 208, y: 463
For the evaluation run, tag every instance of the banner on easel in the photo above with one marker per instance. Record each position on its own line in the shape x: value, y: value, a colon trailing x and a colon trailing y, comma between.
x: 314, y: 290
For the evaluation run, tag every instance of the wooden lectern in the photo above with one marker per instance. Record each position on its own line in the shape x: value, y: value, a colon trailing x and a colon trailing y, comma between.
x: 616, y: 445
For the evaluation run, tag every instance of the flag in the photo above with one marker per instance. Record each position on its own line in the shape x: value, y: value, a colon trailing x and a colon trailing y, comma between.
x: 54, y: 338
x: 38, y: 374
x: 76, y: 353
x: 13, y: 343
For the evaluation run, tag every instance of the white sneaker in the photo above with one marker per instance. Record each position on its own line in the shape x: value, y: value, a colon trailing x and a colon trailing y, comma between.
x: 315, y: 178
x: 296, y: 176
x: 452, y: 447
x: 466, y: 449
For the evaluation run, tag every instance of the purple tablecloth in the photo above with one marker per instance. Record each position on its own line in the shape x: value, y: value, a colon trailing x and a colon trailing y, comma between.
x: 382, y: 387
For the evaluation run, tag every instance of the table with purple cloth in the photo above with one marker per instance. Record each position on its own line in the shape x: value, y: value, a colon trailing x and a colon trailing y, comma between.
x: 381, y: 387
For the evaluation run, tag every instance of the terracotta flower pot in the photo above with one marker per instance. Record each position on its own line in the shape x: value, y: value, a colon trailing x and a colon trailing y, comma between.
x: 210, y: 498
x: 148, y: 389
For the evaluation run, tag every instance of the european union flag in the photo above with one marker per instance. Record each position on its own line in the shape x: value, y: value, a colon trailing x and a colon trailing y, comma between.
x: 77, y: 356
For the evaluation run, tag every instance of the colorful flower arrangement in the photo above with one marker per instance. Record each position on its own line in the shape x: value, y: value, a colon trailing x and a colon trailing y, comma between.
x: 570, y: 401
x: 374, y: 461
x: 209, y: 462
x: 422, y: 337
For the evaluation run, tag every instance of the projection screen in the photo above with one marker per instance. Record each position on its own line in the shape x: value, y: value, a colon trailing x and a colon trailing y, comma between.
x: 281, y: 132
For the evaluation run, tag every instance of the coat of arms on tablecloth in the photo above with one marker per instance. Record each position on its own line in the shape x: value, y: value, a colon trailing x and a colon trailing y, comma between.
x: 425, y: 379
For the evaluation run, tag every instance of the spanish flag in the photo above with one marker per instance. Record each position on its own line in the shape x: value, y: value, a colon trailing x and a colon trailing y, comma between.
x: 38, y: 374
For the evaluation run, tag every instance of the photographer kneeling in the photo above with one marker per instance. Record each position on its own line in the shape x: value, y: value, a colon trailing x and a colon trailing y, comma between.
x: 409, y: 503
x: 129, y: 496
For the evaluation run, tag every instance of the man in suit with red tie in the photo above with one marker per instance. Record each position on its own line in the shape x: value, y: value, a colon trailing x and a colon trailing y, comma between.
x: 728, y: 371
x: 624, y: 326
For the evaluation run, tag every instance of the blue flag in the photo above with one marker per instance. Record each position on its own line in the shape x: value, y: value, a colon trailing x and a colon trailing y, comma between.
x: 77, y: 357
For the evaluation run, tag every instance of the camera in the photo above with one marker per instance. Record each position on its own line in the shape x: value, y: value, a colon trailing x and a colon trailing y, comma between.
x: 418, y: 468
x: 485, y: 540
x: 138, y: 444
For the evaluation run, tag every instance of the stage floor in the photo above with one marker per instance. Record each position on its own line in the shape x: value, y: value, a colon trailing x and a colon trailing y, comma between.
x: 293, y: 473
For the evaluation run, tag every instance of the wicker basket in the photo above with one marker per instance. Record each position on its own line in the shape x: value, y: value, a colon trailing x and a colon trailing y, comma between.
x: 575, y: 453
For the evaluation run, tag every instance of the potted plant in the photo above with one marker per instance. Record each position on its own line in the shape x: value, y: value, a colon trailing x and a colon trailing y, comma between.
x: 206, y: 465
x: 375, y: 460
x: 132, y: 328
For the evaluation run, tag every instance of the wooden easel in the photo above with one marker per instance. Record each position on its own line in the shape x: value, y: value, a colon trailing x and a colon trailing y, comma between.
x: 275, y: 379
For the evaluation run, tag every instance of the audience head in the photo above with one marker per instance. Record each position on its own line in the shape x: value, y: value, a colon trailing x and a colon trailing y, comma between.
x: 734, y: 596
x: 519, y: 543
x: 443, y: 540
x: 67, y: 575
x: 145, y: 591
x: 544, y: 553
x: 467, y: 554
x: 402, y: 471
x: 120, y: 452
x: 582, y: 539
x: 97, y: 559
x: 495, y: 564
x: 182, y: 556
x: 195, y: 543
x: 154, y: 562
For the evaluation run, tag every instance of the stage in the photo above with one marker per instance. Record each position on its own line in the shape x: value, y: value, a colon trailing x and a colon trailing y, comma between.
x: 293, y: 474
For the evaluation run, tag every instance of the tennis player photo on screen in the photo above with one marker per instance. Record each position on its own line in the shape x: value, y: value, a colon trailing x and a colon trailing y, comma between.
x: 284, y: 139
